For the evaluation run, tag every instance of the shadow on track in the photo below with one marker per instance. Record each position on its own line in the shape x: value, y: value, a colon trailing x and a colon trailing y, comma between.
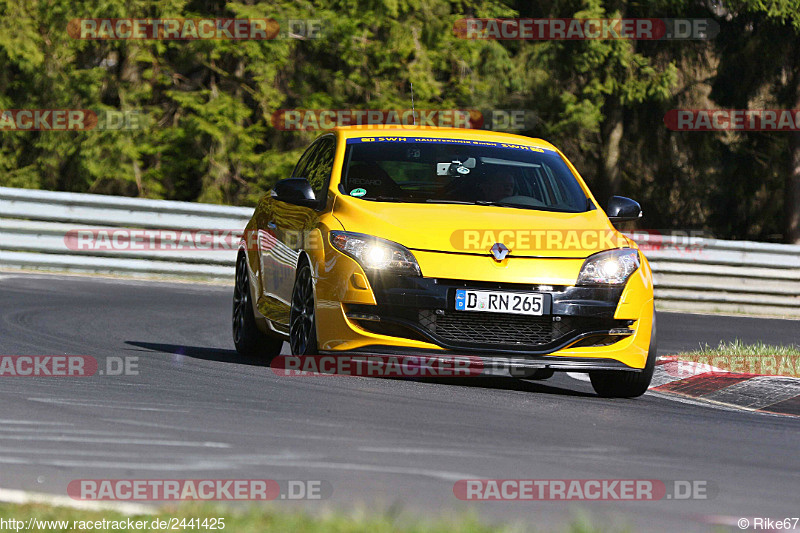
x: 509, y: 384
x: 198, y: 352
x: 485, y: 382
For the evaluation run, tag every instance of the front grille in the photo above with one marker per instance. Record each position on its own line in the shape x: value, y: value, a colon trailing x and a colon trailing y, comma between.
x: 489, y: 328
x: 464, y: 327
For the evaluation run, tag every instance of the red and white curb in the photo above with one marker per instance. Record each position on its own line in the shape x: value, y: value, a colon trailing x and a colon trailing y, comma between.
x: 767, y: 394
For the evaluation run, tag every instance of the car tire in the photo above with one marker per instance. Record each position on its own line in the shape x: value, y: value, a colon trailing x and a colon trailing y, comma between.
x: 622, y: 384
x: 249, y: 340
x: 302, y: 317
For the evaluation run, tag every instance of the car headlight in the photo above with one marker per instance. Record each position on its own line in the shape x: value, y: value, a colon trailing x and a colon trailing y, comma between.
x: 373, y: 253
x: 613, y: 267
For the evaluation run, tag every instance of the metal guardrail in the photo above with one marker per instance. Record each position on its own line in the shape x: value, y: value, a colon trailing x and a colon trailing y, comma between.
x: 696, y: 275
x: 725, y: 276
x: 34, y: 225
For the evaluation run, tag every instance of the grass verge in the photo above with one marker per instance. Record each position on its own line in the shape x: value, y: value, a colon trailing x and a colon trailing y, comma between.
x: 744, y: 358
x: 49, y: 518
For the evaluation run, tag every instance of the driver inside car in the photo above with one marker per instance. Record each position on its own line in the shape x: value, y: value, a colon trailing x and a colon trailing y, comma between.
x: 497, y: 184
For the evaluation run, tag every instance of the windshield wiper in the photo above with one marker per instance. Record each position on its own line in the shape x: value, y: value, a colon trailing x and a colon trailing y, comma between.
x: 390, y: 199
x: 409, y: 199
x: 443, y: 201
x: 499, y: 204
x: 525, y: 206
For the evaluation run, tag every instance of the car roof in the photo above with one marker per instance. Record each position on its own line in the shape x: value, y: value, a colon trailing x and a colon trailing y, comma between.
x: 351, y: 132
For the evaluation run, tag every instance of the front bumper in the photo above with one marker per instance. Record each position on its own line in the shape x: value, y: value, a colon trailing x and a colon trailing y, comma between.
x: 583, y: 328
x: 498, y: 364
x: 424, y: 309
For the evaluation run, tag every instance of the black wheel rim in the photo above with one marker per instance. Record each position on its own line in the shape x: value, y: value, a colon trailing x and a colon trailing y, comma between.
x: 241, y: 299
x: 302, y: 313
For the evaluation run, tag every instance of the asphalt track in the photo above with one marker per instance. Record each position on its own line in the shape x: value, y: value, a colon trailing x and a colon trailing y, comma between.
x: 196, y: 410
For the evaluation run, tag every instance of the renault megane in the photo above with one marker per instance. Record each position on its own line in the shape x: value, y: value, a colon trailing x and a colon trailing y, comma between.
x: 441, y: 241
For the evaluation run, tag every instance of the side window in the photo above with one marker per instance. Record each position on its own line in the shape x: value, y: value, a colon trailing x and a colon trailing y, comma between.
x: 320, y: 165
x: 302, y: 165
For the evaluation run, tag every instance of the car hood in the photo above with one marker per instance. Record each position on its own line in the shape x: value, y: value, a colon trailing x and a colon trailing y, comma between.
x: 474, y: 229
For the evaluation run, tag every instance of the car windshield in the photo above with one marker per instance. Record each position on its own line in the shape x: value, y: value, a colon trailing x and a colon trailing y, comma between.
x: 457, y: 171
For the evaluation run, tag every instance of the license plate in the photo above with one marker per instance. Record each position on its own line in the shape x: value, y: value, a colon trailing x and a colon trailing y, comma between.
x: 522, y: 303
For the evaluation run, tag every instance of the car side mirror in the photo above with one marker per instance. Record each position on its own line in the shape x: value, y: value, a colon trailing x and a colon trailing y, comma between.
x: 295, y: 191
x: 621, y: 209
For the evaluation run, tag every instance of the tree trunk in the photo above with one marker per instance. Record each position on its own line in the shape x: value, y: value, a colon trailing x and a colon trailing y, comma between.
x: 793, y: 190
x: 792, y: 207
x: 611, y: 131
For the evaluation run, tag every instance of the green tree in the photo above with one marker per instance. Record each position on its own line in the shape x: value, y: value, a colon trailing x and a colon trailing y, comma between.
x: 760, y: 63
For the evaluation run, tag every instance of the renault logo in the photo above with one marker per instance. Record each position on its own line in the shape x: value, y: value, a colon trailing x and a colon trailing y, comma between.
x: 499, y: 251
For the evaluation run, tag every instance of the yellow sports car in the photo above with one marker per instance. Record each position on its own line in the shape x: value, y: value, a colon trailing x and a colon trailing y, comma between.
x: 436, y: 241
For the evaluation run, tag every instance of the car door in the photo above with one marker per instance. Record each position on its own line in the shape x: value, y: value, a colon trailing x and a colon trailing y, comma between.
x: 286, y: 228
